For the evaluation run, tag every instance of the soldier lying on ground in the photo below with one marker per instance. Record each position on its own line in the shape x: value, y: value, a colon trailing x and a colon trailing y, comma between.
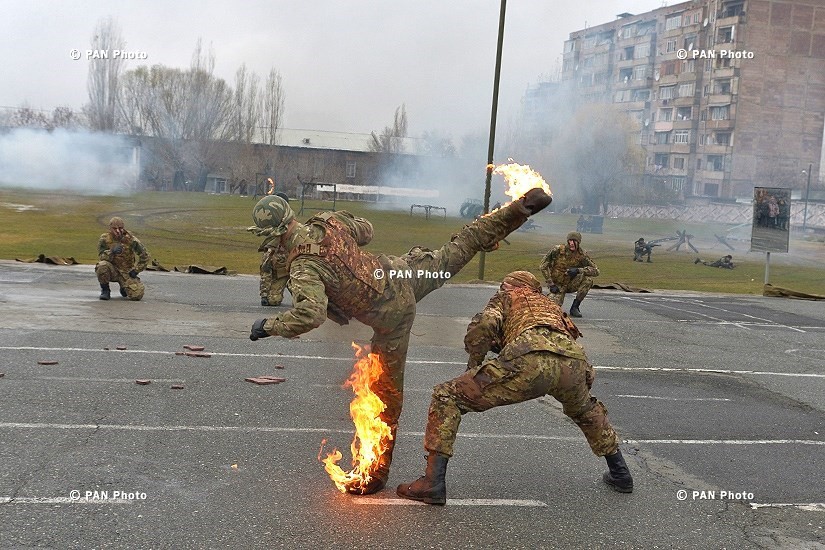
x: 537, y: 355
x: 121, y: 257
x: 330, y: 276
x: 725, y: 262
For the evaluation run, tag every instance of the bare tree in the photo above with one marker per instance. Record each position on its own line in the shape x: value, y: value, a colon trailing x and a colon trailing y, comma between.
x: 273, y: 107
x: 103, y: 82
x: 246, y: 106
x: 391, y: 139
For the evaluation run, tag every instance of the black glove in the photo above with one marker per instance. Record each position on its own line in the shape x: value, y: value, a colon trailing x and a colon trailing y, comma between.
x: 573, y: 271
x: 133, y: 274
x: 258, y: 330
x: 553, y: 288
x: 117, y: 249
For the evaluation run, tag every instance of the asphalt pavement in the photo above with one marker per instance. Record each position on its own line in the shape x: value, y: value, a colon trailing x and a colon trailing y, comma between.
x: 719, y: 400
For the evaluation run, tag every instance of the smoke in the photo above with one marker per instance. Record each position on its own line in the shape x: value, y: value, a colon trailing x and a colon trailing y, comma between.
x: 67, y: 160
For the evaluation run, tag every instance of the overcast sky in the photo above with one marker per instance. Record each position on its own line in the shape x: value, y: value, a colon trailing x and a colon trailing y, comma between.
x: 346, y: 64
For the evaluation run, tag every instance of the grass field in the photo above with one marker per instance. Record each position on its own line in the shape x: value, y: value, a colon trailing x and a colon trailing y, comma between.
x: 198, y: 228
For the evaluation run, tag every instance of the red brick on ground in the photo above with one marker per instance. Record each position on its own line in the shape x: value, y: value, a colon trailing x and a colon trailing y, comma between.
x: 142, y: 382
x: 48, y: 362
x: 197, y: 354
x: 265, y: 380
x: 176, y: 386
x: 194, y: 348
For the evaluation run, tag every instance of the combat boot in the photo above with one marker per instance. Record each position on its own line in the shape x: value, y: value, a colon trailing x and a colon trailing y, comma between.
x: 618, y: 477
x: 431, y: 488
x: 574, y: 308
x: 123, y: 291
x: 105, y: 291
x: 378, y: 478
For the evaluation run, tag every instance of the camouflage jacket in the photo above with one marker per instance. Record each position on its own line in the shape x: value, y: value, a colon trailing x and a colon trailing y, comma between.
x: 541, y: 325
x: 134, y: 254
x: 555, y: 264
x: 312, y: 277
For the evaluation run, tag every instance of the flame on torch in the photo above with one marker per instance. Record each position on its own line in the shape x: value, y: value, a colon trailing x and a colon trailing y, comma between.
x: 271, y: 186
x: 372, y: 435
x: 519, y: 178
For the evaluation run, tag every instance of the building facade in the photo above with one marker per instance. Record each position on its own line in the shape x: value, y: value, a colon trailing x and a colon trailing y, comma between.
x: 728, y: 94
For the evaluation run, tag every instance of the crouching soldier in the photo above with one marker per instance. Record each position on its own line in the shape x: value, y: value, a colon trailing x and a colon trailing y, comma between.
x: 537, y: 355
x: 121, y: 258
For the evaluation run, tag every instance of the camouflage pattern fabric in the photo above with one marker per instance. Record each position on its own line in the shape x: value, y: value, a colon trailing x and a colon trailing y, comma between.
x: 554, y: 268
x: 116, y: 267
x: 541, y: 360
x: 312, y: 280
x: 274, y: 275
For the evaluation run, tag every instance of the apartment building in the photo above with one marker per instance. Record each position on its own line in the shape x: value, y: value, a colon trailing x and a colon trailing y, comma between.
x: 728, y: 94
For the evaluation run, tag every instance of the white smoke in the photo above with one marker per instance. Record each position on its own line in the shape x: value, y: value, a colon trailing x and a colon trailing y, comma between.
x: 67, y: 160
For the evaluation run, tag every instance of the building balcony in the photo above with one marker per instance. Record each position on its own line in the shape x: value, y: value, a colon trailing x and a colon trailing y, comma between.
x: 680, y: 148
x: 714, y: 149
x: 719, y: 99
x: 728, y: 124
x: 724, y: 72
x: 683, y: 124
x: 711, y: 174
x: 663, y: 126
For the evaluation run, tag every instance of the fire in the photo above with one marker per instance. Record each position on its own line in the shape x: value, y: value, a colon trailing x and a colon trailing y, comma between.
x: 520, y: 178
x: 271, y: 186
x: 372, y: 435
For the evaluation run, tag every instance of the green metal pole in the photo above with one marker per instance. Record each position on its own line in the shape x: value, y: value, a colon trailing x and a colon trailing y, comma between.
x: 492, y: 142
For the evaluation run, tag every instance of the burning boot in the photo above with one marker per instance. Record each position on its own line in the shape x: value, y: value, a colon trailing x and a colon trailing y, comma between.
x: 379, y: 477
x: 105, y: 291
x: 618, y: 477
x: 431, y: 488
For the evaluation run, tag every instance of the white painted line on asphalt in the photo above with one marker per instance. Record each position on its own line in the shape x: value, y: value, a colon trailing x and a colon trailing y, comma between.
x: 113, y: 380
x: 809, y: 507
x: 61, y: 500
x: 674, y: 398
x: 431, y: 362
x: 275, y: 429
x: 727, y: 441
x: 452, y: 502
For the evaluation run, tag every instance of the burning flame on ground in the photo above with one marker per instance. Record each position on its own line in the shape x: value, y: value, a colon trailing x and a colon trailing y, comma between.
x: 519, y: 178
x: 271, y: 186
x: 372, y: 435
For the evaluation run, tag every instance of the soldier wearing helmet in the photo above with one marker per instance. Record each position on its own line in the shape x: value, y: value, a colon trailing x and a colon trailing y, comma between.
x: 331, y: 276
x: 121, y: 257
x: 568, y: 268
x: 537, y: 355
x: 274, y: 273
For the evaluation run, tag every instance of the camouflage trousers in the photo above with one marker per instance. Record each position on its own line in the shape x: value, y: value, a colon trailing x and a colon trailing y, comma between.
x: 274, y: 277
x: 108, y: 273
x: 496, y: 383
x: 580, y: 284
x: 392, y: 318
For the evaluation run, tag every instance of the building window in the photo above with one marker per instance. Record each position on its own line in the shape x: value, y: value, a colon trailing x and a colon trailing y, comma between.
x: 724, y: 35
x: 721, y: 112
x: 715, y: 163
x: 712, y: 189
x: 625, y: 75
x: 640, y: 72
x: 641, y: 95
x: 673, y: 22
x: 684, y: 113
x: 318, y: 168
x: 668, y: 68
x: 662, y: 138
x: 722, y: 86
x: 660, y: 160
x: 689, y: 66
x: 686, y: 89
x: 670, y: 46
x: 628, y: 53
x: 351, y: 169
x: 666, y: 115
x: 666, y: 92
x: 641, y: 51
x: 679, y: 163
x: 690, y: 42
x: 708, y: 65
x: 681, y: 136
x: 721, y: 138
x: 677, y: 183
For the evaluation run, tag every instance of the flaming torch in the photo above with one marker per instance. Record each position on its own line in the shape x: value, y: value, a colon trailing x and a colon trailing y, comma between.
x: 271, y: 186
x: 372, y: 435
x: 519, y: 178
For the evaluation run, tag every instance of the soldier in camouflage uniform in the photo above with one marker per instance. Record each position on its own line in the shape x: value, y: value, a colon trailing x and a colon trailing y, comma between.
x: 274, y: 272
x: 725, y: 262
x: 568, y: 268
x: 121, y: 257
x: 331, y: 276
x: 537, y: 355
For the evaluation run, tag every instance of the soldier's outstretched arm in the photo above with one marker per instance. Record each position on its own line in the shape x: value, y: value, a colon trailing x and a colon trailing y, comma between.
x: 309, y: 304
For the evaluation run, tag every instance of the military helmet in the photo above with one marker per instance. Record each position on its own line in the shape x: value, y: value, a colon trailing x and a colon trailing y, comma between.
x: 273, y: 211
x: 574, y: 236
x: 116, y: 222
x: 522, y: 278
